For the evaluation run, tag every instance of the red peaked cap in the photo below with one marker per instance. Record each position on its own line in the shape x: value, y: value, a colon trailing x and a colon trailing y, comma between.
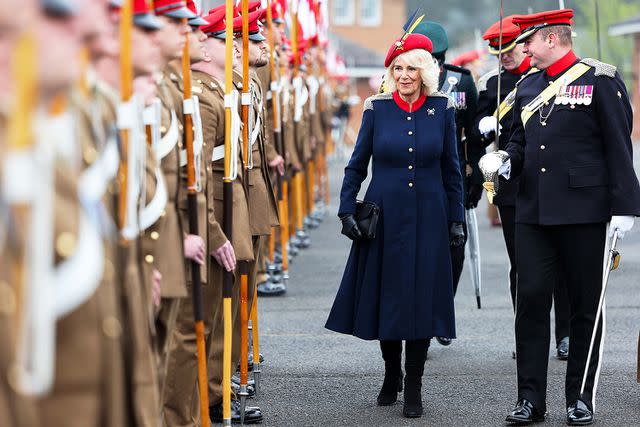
x: 216, y: 20
x: 413, y: 41
x: 275, y: 13
x: 253, y: 6
x: 529, y: 24
x: 140, y: 6
x: 253, y: 23
x: 510, y: 32
x: 143, y: 16
x: 198, y: 20
x: 173, y: 8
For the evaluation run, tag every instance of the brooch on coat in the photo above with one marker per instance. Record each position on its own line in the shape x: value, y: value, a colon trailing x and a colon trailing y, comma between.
x: 431, y: 111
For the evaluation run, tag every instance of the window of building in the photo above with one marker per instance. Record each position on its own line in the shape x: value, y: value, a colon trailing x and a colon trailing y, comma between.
x: 370, y: 13
x: 343, y: 12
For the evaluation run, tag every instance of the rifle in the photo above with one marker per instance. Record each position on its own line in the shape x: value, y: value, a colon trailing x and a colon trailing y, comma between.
x: 247, y: 150
x: 277, y: 132
x: 192, y: 209
x: 227, y: 213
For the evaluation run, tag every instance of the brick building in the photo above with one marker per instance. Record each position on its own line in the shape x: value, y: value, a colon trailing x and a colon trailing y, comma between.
x: 362, y: 31
x: 631, y: 28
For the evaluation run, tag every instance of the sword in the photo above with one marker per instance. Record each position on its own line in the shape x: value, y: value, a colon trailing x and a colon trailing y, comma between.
x: 613, y: 260
x: 474, y: 253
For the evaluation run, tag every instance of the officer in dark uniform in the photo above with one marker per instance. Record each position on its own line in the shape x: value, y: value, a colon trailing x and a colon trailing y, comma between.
x: 572, y: 149
x: 457, y: 82
x: 515, y: 65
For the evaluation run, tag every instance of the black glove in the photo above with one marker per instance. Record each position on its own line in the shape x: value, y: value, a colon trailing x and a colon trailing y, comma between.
x: 350, y: 227
x: 474, y: 194
x: 456, y: 235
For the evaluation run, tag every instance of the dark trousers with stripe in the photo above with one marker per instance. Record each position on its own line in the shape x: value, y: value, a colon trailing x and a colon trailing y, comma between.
x: 542, y: 253
x: 560, y: 294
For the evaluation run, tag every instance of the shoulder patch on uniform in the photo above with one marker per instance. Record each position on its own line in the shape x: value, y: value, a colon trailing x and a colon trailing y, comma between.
x: 368, y: 103
x: 482, y: 81
x: 601, y: 68
x: 450, y: 103
x: 457, y: 68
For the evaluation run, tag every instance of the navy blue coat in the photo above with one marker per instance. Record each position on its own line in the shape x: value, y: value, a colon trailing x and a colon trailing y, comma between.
x: 398, y: 286
x: 578, y: 167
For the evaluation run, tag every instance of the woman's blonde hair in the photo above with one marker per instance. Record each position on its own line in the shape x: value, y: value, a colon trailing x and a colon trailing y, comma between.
x: 421, y: 59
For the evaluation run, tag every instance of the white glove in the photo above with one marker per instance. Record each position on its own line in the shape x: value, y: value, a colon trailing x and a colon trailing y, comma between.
x: 621, y: 225
x: 493, y: 162
x: 488, y: 124
x: 505, y: 169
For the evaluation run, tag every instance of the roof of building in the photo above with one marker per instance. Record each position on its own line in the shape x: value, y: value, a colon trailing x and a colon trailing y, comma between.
x: 623, y: 28
x: 356, y: 56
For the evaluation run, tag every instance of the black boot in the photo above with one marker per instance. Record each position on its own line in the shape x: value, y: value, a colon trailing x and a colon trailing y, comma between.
x: 416, y: 355
x: 392, y: 355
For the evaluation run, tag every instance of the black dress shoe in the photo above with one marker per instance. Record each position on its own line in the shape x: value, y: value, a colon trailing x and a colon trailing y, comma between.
x: 444, y: 341
x: 524, y: 413
x: 252, y: 414
x: 579, y: 414
x: 562, y: 350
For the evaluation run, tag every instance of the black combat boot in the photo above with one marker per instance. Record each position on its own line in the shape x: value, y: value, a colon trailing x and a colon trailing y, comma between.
x: 392, y: 355
x: 416, y: 355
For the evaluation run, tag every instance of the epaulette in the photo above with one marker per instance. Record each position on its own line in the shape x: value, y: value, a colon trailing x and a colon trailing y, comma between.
x: 368, y: 103
x: 450, y: 103
x: 601, y: 68
x: 524, y: 76
x: 457, y: 69
x: 482, y: 81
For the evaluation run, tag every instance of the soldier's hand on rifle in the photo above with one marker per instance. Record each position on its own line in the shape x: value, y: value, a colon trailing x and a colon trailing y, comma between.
x: 278, y: 164
x: 350, y: 227
x: 226, y: 256
x: 456, y: 235
x: 194, y: 248
x: 156, y: 287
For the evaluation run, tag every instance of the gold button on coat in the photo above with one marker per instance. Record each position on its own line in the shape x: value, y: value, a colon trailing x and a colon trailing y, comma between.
x: 65, y: 244
x: 410, y: 167
x: 410, y: 133
x: 542, y: 147
x: 410, y: 184
x: 543, y: 170
x: 111, y: 327
x: 155, y: 235
x: 410, y: 150
x: 148, y: 259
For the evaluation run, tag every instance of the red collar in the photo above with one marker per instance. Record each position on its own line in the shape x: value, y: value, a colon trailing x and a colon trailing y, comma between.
x: 405, y: 105
x: 561, y: 64
x: 523, y: 67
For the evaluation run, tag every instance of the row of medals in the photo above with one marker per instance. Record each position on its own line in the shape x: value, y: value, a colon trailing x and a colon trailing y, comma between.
x: 575, y: 94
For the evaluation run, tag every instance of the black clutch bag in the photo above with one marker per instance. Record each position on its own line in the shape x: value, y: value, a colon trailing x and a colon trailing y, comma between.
x: 367, y: 214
